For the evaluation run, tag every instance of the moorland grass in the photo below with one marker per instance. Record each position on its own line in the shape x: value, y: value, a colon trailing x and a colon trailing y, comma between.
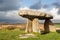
x: 14, y: 35
x: 57, y: 25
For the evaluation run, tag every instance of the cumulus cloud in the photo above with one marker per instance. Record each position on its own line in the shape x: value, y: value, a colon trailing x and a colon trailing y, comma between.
x: 24, y: 8
x: 57, y: 4
x: 11, y: 17
x: 54, y: 12
x: 9, y: 12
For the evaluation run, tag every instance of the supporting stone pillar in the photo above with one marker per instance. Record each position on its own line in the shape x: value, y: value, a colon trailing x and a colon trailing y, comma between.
x: 29, y: 26
x: 35, y: 25
x: 48, y: 26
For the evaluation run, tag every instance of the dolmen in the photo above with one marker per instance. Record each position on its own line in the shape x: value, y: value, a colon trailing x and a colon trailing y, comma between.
x: 33, y: 17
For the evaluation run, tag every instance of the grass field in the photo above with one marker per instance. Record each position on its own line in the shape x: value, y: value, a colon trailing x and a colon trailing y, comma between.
x: 14, y: 35
x: 57, y: 25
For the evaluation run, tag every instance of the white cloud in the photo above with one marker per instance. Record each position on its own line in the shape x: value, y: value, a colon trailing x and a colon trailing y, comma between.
x: 24, y: 8
x: 53, y: 12
x: 11, y: 15
x: 57, y: 17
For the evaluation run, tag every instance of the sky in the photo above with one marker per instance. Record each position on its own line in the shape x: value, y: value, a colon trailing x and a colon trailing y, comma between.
x: 9, y: 9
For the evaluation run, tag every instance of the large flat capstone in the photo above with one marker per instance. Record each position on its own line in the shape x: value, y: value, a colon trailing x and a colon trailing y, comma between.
x: 34, y: 14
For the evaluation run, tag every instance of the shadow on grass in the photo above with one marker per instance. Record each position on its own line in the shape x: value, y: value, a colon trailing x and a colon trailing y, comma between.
x: 43, y: 32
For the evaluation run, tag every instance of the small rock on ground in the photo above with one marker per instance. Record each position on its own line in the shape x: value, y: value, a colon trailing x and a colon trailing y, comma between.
x: 27, y: 36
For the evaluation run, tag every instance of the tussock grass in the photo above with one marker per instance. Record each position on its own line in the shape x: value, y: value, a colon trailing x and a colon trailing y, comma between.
x: 14, y: 35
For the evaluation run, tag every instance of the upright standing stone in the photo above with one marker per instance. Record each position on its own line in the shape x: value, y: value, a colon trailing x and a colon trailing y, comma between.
x: 48, y: 26
x: 29, y: 26
x: 35, y: 25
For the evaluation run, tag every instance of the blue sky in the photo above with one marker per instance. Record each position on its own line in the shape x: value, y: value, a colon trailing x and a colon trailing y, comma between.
x: 9, y: 8
x: 16, y: 4
x: 30, y: 3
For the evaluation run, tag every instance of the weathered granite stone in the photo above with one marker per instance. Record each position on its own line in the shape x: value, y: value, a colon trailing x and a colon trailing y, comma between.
x: 48, y: 26
x: 35, y: 25
x: 34, y: 14
x: 29, y: 26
